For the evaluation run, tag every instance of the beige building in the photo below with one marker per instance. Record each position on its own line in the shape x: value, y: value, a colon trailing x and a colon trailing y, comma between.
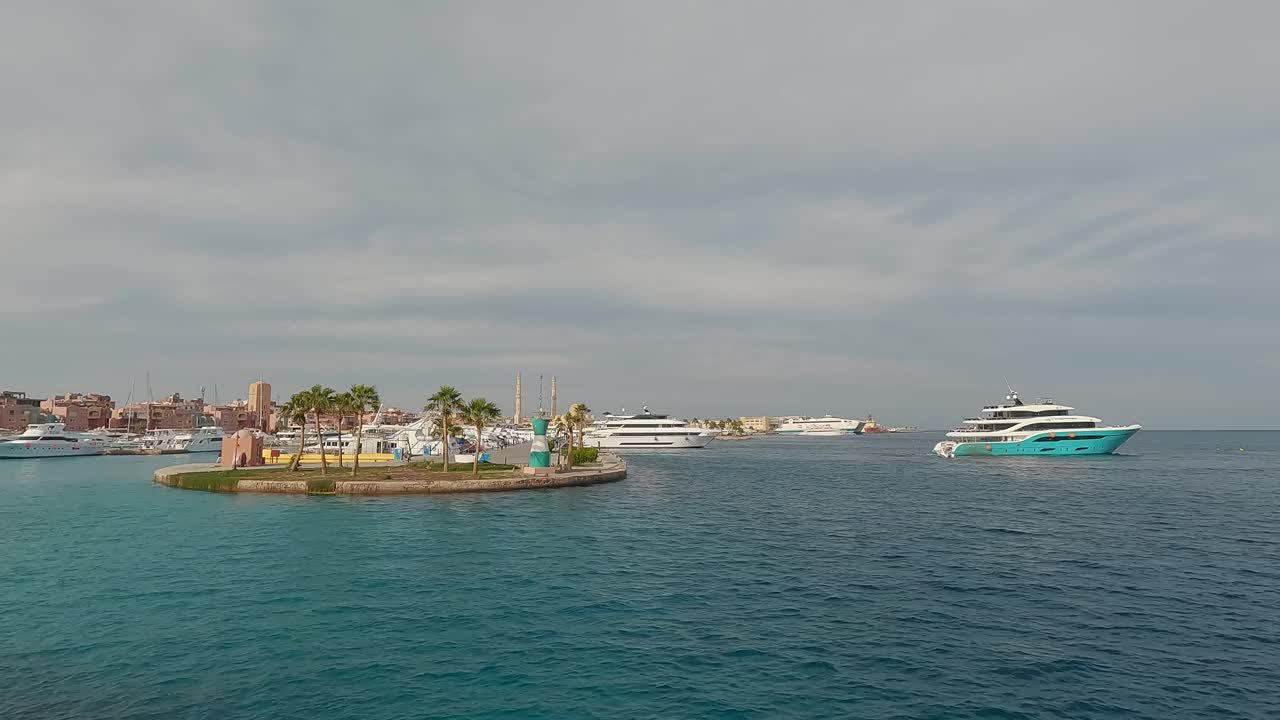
x: 758, y: 424
x: 259, y: 396
x: 260, y: 408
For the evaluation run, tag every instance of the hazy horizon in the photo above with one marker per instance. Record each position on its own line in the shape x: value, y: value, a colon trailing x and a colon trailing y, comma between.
x: 718, y: 209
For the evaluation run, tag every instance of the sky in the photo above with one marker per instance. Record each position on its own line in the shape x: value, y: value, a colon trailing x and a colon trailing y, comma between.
x: 713, y: 208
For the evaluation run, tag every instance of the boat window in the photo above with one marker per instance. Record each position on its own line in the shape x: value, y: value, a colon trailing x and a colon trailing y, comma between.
x: 1064, y: 438
x: 1058, y: 426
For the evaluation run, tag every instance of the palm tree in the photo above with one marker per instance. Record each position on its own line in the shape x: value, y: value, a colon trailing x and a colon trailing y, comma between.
x: 566, y: 421
x: 320, y: 399
x: 446, y: 402
x: 343, y: 405
x: 364, y: 398
x: 295, y: 411
x: 564, y: 431
x: 478, y: 413
x: 580, y: 414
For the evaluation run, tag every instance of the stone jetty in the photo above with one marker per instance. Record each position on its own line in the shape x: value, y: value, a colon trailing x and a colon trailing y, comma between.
x: 401, y: 480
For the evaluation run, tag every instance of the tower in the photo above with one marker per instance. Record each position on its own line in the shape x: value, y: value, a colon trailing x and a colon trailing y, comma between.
x: 553, y: 397
x: 518, y: 416
x: 260, y: 404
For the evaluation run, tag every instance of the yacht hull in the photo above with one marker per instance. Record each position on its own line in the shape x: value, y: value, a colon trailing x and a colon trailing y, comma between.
x: 1093, y: 441
x: 36, y: 450
x: 640, y: 442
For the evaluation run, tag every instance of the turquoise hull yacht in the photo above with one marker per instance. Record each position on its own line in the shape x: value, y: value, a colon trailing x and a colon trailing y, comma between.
x: 1040, y: 428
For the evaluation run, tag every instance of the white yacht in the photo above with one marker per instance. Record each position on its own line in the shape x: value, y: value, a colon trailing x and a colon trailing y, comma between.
x: 646, y: 430
x: 1042, y: 427
x: 826, y: 425
x: 51, y: 440
x: 205, y: 439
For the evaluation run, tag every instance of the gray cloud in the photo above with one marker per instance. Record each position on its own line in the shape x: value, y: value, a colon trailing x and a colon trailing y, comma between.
x: 714, y: 208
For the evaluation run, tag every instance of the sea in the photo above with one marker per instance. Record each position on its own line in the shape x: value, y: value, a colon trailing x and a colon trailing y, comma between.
x: 789, y: 577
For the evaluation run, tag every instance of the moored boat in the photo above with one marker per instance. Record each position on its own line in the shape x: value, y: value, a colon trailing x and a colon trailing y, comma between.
x: 826, y: 425
x: 1040, y: 428
x: 51, y: 440
x: 646, y: 430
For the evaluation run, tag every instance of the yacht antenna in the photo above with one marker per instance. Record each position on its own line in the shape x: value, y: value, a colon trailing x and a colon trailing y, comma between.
x: 540, y: 413
x: 1013, y: 395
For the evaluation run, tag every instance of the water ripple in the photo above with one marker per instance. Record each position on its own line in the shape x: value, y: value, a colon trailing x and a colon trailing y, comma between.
x: 769, y: 579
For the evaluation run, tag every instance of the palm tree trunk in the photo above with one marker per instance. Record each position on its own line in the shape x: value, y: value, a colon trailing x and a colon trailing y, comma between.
x: 475, y: 459
x: 324, y: 463
x: 355, y: 462
x: 339, y: 438
x: 568, y: 459
x: 444, y: 440
x: 302, y: 443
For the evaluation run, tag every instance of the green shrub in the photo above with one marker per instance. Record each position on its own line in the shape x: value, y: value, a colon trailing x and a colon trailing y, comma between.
x: 585, y: 455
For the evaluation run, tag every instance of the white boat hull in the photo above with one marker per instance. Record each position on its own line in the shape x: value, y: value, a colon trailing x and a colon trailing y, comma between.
x: 60, y: 449
x: 636, y: 442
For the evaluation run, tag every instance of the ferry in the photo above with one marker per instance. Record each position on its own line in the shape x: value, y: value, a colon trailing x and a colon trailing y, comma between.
x: 51, y: 440
x: 826, y: 425
x: 646, y: 430
x: 1040, y: 428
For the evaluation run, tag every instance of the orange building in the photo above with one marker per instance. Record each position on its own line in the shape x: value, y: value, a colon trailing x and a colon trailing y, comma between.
x: 80, y: 412
x: 172, y: 413
x: 17, y: 410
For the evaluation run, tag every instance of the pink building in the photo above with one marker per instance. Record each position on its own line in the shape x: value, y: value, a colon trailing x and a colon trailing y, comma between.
x: 17, y: 410
x: 236, y: 416
x: 80, y: 412
x: 172, y: 413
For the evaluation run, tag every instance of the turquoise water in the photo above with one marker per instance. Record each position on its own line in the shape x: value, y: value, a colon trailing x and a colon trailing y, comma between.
x: 852, y: 577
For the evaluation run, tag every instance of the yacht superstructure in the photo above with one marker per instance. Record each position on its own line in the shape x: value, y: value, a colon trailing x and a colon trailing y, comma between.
x: 205, y: 439
x: 646, y: 430
x: 51, y: 440
x: 1040, y: 428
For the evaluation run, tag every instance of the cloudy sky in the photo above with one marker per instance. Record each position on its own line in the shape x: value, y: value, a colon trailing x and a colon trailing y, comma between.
x: 715, y: 208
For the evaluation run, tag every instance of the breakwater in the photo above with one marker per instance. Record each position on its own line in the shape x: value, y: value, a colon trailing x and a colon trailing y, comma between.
x: 381, y: 481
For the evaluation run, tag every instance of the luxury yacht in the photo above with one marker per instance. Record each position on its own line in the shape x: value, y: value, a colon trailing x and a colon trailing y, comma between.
x: 827, y: 425
x: 645, y: 430
x: 50, y: 440
x: 1040, y: 428
x: 205, y: 439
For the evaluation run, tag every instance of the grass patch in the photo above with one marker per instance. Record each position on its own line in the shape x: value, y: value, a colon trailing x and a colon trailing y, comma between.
x: 582, y: 456
x: 224, y: 481
x: 458, y: 467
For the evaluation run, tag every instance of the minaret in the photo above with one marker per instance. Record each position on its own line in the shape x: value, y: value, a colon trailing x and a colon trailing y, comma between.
x: 518, y: 420
x: 553, y: 397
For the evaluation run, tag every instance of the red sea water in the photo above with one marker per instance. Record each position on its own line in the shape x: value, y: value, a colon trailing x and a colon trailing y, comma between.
x: 774, y: 578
